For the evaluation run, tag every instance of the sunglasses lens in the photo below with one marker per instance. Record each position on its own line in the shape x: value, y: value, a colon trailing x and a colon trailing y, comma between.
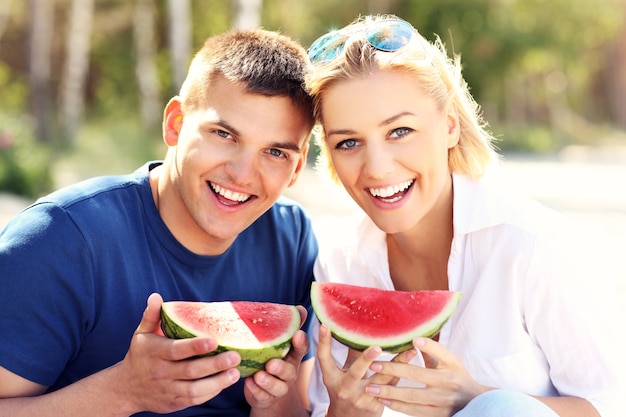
x: 327, y: 47
x: 389, y: 36
x: 386, y: 36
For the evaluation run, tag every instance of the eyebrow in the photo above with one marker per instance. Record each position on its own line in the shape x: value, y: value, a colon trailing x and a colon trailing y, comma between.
x: 381, y: 124
x: 286, y: 145
x: 223, y: 123
x: 276, y: 144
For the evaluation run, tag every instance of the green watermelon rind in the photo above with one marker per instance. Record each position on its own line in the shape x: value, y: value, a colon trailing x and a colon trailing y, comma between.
x: 397, y: 344
x: 389, y: 348
x: 252, y: 360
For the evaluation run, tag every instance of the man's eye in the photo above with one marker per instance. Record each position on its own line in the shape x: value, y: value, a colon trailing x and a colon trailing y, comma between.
x: 277, y: 153
x: 222, y: 133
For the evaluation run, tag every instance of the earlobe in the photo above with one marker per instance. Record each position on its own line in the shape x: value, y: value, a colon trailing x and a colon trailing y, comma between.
x: 172, y: 121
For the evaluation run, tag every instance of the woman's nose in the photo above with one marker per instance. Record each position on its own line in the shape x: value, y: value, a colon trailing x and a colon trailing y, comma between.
x: 379, y: 162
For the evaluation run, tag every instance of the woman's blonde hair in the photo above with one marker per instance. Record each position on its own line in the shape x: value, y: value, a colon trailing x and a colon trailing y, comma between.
x: 437, y: 74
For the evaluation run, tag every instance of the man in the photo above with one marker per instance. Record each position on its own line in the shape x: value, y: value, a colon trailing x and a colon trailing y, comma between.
x: 208, y: 224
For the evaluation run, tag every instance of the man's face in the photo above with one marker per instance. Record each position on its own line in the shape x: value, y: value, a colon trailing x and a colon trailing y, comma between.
x: 228, y: 163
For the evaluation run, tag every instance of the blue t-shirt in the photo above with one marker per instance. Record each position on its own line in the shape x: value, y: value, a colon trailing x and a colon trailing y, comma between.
x: 77, y: 267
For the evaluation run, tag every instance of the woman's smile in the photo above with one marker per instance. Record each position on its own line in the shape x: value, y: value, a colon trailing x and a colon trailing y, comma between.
x: 391, y: 193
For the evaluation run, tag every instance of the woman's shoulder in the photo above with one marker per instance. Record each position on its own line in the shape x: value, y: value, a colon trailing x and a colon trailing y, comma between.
x: 491, y: 202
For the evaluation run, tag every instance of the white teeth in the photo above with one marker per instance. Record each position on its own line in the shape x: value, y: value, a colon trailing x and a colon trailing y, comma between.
x: 391, y: 190
x: 231, y: 195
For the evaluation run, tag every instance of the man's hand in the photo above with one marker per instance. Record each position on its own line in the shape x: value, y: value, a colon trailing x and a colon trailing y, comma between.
x: 158, y: 374
x: 273, y: 391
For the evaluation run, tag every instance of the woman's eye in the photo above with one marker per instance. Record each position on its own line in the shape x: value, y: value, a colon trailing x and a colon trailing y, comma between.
x: 347, y: 144
x: 400, y: 132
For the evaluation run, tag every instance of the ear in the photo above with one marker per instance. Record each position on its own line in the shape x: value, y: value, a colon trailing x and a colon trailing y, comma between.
x: 301, y: 163
x: 172, y: 121
x: 453, y: 125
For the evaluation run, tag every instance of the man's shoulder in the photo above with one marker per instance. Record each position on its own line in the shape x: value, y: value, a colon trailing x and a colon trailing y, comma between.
x: 286, y: 208
x: 285, y: 221
x: 99, y: 188
x: 95, y: 203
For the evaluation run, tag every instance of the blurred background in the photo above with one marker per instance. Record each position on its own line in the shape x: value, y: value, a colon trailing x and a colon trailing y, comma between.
x: 83, y: 84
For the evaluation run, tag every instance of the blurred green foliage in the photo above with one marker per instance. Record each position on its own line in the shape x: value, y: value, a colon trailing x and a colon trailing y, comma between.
x: 24, y: 163
x: 528, y: 62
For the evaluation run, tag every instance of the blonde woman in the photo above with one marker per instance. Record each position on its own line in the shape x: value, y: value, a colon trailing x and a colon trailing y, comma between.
x: 402, y: 134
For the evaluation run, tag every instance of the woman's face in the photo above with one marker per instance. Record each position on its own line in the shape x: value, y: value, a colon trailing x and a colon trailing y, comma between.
x: 388, y: 142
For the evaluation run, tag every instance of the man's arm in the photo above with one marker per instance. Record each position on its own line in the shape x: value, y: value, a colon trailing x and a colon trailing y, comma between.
x: 154, y: 376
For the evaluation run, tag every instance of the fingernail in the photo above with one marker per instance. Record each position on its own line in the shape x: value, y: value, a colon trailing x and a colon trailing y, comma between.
x: 261, y: 378
x: 372, y: 389
x: 271, y: 367
x: 373, y: 352
x: 233, y: 359
x: 419, y: 342
x: 233, y: 375
x: 376, y: 367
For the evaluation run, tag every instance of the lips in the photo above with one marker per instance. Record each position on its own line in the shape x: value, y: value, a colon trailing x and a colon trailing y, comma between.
x: 391, y: 193
x: 228, y: 197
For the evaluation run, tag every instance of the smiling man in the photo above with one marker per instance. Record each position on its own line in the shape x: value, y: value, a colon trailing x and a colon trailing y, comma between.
x: 207, y: 223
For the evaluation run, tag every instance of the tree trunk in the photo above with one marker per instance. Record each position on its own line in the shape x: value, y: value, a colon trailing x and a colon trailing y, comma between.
x: 5, y: 12
x: 247, y: 14
x: 147, y: 78
x: 41, y: 25
x: 615, y: 77
x: 76, y: 66
x: 180, y: 39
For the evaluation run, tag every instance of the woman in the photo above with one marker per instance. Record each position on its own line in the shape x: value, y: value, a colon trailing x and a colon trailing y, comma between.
x: 404, y: 137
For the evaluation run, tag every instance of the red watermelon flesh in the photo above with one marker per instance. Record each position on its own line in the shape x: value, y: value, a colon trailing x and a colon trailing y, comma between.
x: 258, y: 331
x: 363, y: 316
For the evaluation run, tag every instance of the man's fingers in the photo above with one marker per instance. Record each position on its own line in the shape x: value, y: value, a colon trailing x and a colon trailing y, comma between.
x: 181, y: 349
x: 299, y: 347
x: 303, y: 314
x: 151, y: 315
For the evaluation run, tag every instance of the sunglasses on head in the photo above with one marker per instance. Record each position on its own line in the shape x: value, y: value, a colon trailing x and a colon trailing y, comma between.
x: 383, y: 35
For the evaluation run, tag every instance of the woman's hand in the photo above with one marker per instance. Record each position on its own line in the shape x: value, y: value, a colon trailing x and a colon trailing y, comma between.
x: 346, y: 387
x: 448, y: 387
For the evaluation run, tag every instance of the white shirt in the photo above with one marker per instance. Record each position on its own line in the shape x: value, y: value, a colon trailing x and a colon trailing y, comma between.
x: 529, y: 318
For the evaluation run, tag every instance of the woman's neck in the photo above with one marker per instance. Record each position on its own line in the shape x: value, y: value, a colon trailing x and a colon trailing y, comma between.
x: 418, y: 258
